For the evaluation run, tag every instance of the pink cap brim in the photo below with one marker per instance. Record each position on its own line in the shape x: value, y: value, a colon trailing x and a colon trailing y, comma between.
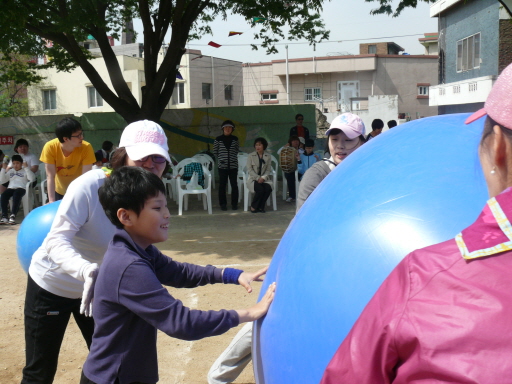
x: 475, y: 116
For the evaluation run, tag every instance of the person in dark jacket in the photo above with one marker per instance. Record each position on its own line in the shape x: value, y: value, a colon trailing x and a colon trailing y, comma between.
x: 299, y: 130
x: 225, y: 148
x: 130, y: 303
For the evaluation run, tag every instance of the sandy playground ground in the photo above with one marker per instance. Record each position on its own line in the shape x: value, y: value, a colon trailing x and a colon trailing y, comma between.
x: 225, y: 239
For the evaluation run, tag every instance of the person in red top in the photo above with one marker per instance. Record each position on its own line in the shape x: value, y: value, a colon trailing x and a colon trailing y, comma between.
x: 299, y: 130
x: 444, y: 314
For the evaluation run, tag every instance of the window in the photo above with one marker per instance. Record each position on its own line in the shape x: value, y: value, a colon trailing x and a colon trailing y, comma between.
x: 95, y: 99
x: 178, y: 96
x: 228, y: 92
x: 372, y: 49
x: 49, y: 99
x: 312, y: 94
x: 269, y: 96
x: 422, y: 90
x: 207, y: 91
x: 468, y: 53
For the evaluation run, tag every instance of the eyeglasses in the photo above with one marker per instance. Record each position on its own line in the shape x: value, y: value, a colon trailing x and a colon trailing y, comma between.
x: 157, y: 159
x: 80, y: 135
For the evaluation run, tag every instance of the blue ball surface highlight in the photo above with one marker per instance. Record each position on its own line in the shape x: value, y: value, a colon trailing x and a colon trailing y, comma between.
x: 415, y: 185
x: 33, y: 231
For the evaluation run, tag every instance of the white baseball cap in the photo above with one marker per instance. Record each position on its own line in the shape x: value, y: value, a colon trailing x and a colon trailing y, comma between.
x: 143, y: 138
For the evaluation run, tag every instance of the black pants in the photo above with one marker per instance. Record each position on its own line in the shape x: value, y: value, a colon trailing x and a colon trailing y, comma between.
x: 85, y: 380
x: 290, y: 180
x: 16, y: 195
x: 58, y: 196
x: 261, y: 193
x: 224, y: 175
x: 46, y: 319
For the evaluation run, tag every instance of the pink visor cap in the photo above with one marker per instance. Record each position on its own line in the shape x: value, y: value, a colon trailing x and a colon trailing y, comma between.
x: 499, y: 102
x: 350, y: 124
x: 143, y: 138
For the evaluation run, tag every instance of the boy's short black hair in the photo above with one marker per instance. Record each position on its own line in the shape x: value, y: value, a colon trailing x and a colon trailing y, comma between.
x: 299, y: 115
x: 128, y: 188
x: 17, y: 158
x: 377, y: 124
x: 107, y: 145
x: 309, y: 143
x: 262, y: 141
x: 99, y: 156
x: 392, y: 123
x: 66, y: 127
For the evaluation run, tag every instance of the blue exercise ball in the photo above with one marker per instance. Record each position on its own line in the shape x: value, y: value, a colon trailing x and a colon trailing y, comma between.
x: 415, y: 185
x: 33, y: 231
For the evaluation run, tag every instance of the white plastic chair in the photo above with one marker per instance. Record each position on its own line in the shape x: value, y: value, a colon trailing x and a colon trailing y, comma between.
x: 169, y: 180
x: 28, y: 199
x: 285, y: 183
x: 242, y: 164
x: 241, y: 157
x: 208, y: 162
x: 41, y: 184
x: 183, y: 192
x: 248, y: 194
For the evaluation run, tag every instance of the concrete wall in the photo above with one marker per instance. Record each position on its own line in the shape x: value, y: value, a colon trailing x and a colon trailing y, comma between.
x: 465, y: 19
x: 398, y: 76
x: 393, y: 75
x: 188, y: 130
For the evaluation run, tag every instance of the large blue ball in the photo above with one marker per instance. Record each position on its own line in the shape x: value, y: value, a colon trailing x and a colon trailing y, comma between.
x: 416, y: 185
x: 33, y: 231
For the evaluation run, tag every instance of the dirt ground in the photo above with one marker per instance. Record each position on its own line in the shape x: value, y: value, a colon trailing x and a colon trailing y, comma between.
x: 225, y: 239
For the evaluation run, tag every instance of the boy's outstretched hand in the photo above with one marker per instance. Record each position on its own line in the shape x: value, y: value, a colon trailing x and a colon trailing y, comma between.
x: 246, y: 278
x: 260, y: 309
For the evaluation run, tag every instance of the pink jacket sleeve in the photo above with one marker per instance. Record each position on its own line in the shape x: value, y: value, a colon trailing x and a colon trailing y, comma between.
x: 369, y: 353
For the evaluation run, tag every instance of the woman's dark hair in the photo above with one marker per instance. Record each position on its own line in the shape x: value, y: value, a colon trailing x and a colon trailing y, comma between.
x: 20, y: 142
x: 262, y: 141
x: 128, y: 188
x: 293, y: 138
x: 119, y: 157
x: 299, y: 115
x: 488, y: 130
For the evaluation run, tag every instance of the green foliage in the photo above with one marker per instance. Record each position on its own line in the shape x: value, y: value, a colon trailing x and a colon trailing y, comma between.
x: 17, y: 72
x: 387, y: 8
x: 26, y: 27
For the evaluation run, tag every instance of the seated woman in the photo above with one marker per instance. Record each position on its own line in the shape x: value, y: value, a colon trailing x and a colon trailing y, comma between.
x: 443, y: 314
x: 345, y: 135
x: 259, y: 167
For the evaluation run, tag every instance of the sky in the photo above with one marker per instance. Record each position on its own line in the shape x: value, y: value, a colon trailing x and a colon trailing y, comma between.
x: 350, y: 24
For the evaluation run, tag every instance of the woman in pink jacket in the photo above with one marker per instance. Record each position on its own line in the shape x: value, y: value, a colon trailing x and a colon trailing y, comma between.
x: 444, y: 315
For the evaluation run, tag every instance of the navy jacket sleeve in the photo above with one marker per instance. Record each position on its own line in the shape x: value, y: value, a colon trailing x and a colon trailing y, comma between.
x: 143, y: 294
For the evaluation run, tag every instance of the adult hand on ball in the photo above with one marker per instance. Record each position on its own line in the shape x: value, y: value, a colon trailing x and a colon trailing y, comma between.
x: 90, y: 273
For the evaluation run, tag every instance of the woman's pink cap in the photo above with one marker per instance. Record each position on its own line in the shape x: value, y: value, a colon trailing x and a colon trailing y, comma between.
x: 499, y: 102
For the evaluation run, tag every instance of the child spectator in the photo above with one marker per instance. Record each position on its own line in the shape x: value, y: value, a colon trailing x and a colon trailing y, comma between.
x: 130, y: 303
x: 17, y: 177
x: 99, y: 161
x: 308, y: 158
x: 377, y: 126
x: 392, y: 124
x: 105, y: 151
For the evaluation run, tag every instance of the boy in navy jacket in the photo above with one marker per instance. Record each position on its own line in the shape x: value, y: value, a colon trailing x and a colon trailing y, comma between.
x: 130, y: 303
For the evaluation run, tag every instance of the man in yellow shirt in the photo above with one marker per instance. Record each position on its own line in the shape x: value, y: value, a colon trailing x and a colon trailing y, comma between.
x: 66, y: 157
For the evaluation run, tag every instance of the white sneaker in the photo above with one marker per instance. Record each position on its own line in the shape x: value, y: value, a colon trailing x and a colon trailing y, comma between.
x: 3, y: 220
x: 290, y: 200
x: 12, y: 219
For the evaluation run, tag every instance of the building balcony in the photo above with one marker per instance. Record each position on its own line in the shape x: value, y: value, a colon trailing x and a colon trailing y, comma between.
x: 461, y: 92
